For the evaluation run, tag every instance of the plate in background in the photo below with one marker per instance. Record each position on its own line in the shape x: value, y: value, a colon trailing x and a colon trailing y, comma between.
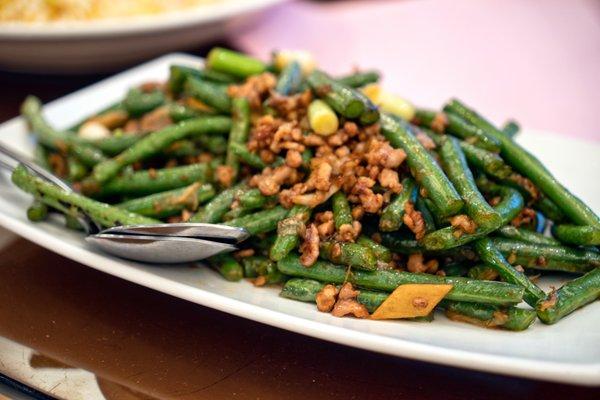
x: 567, y: 352
x: 105, y: 44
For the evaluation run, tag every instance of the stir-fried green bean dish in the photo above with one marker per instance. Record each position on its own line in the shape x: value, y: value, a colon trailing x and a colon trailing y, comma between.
x: 348, y: 191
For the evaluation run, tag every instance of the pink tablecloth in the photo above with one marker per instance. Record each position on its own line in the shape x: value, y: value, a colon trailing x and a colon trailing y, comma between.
x: 536, y: 61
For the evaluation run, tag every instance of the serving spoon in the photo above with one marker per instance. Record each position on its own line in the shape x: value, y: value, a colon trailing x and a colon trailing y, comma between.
x: 153, y: 243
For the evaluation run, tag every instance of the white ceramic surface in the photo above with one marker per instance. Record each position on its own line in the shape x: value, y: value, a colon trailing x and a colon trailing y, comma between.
x: 566, y: 352
x: 102, y: 45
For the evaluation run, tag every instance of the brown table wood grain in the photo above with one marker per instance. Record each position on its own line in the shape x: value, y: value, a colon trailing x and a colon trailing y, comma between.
x: 152, y: 346
x: 161, y: 347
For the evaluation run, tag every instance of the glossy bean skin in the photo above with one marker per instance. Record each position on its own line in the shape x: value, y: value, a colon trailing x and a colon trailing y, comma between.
x: 464, y: 289
x: 570, y: 297
x: 531, y: 167
x: 423, y: 167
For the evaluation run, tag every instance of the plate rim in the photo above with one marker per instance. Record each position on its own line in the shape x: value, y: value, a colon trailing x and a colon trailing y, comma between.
x: 587, y: 374
x: 110, y: 27
x: 565, y: 372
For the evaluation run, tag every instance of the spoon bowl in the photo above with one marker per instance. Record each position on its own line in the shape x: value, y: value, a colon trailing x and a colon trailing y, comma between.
x: 158, y: 249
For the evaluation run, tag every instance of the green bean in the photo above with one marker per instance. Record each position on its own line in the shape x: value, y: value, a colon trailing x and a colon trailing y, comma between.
x: 212, y: 94
x: 268, y: 270
x: 455, y: 166
x: 251, y: 266
x: 359, y: 79
x: 341, y: 98
x: 248, y: 203
x: 435, y: 213
x: 421, y: 206
x: 255, y: 266
x: 252, y: 198
x: 137, y: 102
x: 545, y: 257
x: 578, y: 235
x: 151, y: 181
x: 511, y: 129
x: 463, y: 289
x: 445, y: 238
x: 531, y: 167
x: 76, y: 169
x: 236, y: 213
x: 37, y: 211
x: 73, y: 223
x: 180, y: 149
x: 227, y: 266
x: 510, y: 318
x: 391, y: 216
x: 571, y: 296
x: 490, y: 163
x: 216, y: 145
x: 58, y: 140
x: 524, y: 235
x: 489, y: 316
x: 262, y: 243
x: 287, y: 232
x: 494, y: 259
x: 234, y: 63
x: 171, y: 202
x: 458, y: 127
x: 218, y: 206
x: 487, y: 161
x: 179, y: 73
x: 381, y: 252
x: 523, y: 185
x: 549, y: 209
x: 306, y: 290
x: 370, y: 115
x: 116, y: 144
x: 242, y: 153
x: 483, y: 272
x: 290, y: 79
x: 155, y: 142
x: 53, y: 204
x: 261, y: 221
x: 100, y: 212
x: 342, y: 215
x: 240, y: 126
x: 350, y: 254
x: 423, y: 167
x: 303, y: 289
x: 179, y: 112
x: 401, y: 244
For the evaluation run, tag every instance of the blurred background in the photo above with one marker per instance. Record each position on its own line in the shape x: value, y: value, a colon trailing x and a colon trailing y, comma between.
x: 536, y: 61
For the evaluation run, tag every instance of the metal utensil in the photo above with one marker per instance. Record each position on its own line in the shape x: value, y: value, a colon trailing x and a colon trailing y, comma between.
x: 89, y: 225
x: 220, y: 233
x: 155, y: 243
x: 158, y: 249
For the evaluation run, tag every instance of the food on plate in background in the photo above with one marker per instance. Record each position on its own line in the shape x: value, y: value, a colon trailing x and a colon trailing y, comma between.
x: 70, y: 10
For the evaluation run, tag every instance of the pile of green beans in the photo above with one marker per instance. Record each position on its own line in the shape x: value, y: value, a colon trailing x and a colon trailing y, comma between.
x: 463, y: 188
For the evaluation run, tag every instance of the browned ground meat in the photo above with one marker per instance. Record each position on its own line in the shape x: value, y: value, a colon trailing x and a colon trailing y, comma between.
x: 413, y: 219
x: 310, y: 246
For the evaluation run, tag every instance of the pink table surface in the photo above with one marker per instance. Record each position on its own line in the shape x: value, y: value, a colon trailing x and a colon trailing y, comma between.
x: 536, y: 61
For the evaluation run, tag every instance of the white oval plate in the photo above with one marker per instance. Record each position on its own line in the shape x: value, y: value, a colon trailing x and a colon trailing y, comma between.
x: 104, y: 44
x: 566, y: 352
